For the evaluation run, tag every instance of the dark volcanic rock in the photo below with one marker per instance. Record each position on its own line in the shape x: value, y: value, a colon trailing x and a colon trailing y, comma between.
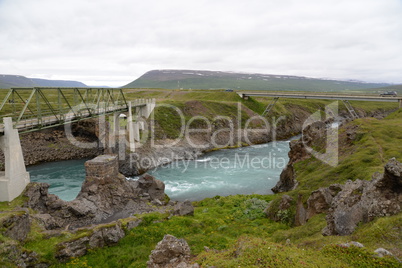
x: 105, y: 196
x: 148, y: 184
x: 97, y: 237
x: 363, y: 201
x: 17, y: 226
x: 75, y: 248
x: 287, y: 181
x: 321, y: 199
x: 171, y: 252
x: 183, y: 209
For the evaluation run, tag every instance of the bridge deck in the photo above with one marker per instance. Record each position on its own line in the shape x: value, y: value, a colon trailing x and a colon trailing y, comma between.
x: 33, y: 124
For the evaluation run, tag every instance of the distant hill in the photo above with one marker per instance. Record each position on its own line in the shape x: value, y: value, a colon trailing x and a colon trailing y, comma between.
x: 9, y: 81
x: 191, y: 79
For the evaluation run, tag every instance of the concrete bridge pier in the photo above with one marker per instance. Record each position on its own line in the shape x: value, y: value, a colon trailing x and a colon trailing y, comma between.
x: 114, y: 141
x: 15, y: 177
x: 134, y: 127
x: 130, y: 126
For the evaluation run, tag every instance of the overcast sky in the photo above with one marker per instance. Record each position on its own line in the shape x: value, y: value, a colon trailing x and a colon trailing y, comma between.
x: 111, y: 43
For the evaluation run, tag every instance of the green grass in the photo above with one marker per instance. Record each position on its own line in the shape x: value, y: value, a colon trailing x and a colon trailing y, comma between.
x: 10, y: 206
x: 257, y: 252
x: 237, y: 234
x: 217, y: 223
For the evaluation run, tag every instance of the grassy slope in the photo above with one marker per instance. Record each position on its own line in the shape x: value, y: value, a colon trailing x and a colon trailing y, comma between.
x: 376, y: 142
x: 225, y: 104
x: 235, y: 228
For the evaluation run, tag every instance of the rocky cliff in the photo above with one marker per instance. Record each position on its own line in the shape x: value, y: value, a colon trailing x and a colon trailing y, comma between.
x: 312, y: 134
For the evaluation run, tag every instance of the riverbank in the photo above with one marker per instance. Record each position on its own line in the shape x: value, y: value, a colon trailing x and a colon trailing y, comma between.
x: 224, y: 113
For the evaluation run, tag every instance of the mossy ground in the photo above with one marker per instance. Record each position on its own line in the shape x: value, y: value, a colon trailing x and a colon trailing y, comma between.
x: 237, y: 235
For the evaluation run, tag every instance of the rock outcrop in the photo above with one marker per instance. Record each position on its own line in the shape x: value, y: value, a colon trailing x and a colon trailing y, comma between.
x: 17, y: 225
x: 346, y: 205
x: 278, y: 213
x: 363, y: 201
x: 321, y: 200
x: 105, y: 196
x: 287, y: 180
x: 171, y: 252
x: 98, y: 237
x: 301, y: 213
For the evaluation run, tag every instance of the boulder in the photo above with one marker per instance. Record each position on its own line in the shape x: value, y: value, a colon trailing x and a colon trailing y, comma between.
x: 183, y: 209
x: 171, y: 252
x: 352, y: 244
x: 112, y: 235
x: 149, y: 185
x: 382, y: 252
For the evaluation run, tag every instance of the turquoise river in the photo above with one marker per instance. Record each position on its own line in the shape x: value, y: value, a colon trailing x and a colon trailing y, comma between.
x: 246, y: 170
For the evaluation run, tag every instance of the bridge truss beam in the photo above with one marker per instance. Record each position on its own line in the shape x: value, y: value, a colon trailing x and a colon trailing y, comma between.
x: 41, y: 107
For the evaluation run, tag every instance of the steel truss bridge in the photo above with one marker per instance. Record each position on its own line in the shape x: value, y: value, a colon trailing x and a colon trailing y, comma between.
x: 36, y: 108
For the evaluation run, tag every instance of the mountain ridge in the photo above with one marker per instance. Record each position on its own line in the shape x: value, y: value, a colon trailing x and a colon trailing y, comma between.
x: 8, y: 81
x: 203, y: 79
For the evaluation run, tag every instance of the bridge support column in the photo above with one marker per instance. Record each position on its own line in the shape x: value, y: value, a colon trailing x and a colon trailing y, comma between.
x: 113, y: 134
x: 148, y: 108
x: 136, y: 131
x: 130, y: 126
x: 15, y: 178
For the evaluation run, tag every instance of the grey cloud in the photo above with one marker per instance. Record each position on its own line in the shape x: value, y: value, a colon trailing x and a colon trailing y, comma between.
x: 119, y: 40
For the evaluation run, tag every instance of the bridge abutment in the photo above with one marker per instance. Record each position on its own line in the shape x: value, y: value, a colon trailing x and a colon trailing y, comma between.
x: 15, y: 178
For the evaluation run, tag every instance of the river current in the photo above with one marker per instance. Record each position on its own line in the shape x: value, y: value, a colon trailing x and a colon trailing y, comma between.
x: 245, y: 170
